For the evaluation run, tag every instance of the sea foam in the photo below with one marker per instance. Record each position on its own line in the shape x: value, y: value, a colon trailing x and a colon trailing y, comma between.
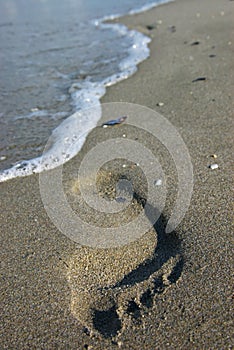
x: 68, y: 138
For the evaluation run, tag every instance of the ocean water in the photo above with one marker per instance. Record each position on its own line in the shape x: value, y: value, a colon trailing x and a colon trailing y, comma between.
x: 56, y: 60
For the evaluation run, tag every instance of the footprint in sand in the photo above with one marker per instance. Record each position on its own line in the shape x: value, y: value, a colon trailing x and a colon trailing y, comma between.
x: 112, y: 289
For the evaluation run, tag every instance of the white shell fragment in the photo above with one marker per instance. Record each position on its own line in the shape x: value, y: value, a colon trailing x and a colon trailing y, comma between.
x: 213, y: 166
x: 2, y: 157
x: 158, y: 182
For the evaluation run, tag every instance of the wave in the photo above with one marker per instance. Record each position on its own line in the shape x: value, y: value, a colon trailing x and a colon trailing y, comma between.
x: 68, y: 138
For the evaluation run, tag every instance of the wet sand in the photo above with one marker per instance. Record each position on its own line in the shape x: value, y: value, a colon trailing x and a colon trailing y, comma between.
x: 162, y: 291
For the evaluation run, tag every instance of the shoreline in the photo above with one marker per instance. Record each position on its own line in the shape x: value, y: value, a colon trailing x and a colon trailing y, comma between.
x: 169, y: 290
x: 91, y: 93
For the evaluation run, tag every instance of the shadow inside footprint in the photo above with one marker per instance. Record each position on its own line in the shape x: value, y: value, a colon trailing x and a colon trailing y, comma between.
x: 176, y: 271
x: 168, y: 246
x: 133, y: 309
x: 163, y: 269
x: 147, y: 299
x: 107, y: 322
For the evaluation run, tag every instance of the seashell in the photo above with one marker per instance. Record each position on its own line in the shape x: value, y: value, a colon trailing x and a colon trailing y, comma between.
x: 158, y: 182
x: 213, y: 166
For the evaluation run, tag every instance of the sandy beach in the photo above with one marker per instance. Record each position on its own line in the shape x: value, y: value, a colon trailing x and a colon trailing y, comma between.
x: 162, y: 290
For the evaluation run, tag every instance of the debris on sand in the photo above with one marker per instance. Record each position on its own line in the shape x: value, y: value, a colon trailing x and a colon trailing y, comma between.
x: 199, y: 79
x: 213, y: 166
x: 151, y: 26
x: 172, y: 29
x: 195, y: 43
x: 114, y: 121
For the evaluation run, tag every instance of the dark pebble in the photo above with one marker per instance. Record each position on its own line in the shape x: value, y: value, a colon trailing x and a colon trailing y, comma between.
x: 195, y: 43
x: 151, y: 26
x: 172, y: 29
x: 199, y: 79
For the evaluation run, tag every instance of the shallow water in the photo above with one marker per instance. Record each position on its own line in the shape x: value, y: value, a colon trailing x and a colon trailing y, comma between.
x: 56, y: 58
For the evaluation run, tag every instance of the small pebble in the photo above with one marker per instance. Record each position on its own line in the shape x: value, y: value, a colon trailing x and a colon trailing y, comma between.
x: 34, y: 109
x: 151, y: 26
x: 195, y: 43
x: 124, y: 135
x: 214, y: 156
x: 199, y: 79
x: 2, y: 157
x: 172, y: 29
x: 160, y: 104
x: 158, y: 182
x: 124, y: 165
x: 213, y: 166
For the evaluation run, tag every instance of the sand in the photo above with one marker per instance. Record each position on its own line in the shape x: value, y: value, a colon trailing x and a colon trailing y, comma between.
x: 163, y: 290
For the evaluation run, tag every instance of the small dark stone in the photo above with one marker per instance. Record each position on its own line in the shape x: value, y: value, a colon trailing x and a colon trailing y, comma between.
x: 199, y: 79
x: 172, y: 29
x: 212, y: 55
x: 195, y: 43
x: 151, y: 26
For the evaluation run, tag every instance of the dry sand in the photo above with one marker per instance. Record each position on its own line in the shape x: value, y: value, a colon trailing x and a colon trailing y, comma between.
x: 163, y: 291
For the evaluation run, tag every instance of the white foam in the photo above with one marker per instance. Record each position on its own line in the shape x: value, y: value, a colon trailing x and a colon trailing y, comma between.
x: 41, y: 113
x: 148, y: 6
x: 68, y: 138
x: 64, y: 143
